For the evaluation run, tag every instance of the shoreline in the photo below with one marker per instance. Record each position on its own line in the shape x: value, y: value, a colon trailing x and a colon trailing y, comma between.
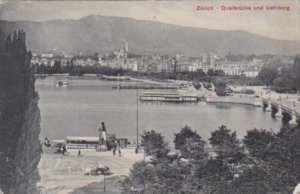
x: 232, y: 100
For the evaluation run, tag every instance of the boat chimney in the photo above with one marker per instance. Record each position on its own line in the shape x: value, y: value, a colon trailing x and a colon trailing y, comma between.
x: 103, y: 126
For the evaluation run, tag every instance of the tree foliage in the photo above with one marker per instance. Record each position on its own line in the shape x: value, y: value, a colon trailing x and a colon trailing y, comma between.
x: 259, y: 142
x: 154, y: 144
x: 268, y: 74
x: 20, y: 147
x: 262, y: 162
x: 180, y: 138
x: 226, y: 144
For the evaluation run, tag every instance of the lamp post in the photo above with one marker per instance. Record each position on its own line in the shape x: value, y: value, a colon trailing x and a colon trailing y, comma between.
x: 104, y: 188
x: 137, y: 119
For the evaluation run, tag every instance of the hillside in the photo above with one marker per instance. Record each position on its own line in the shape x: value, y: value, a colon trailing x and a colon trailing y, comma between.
x: 100, y: 33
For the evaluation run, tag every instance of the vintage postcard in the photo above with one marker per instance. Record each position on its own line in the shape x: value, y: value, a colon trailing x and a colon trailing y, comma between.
x: 150, y: 97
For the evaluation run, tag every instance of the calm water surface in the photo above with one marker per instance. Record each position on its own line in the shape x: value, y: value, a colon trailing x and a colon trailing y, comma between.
x: 80, y: 107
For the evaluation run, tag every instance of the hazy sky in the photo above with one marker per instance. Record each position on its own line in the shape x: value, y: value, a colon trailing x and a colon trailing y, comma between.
x: 274, y: 24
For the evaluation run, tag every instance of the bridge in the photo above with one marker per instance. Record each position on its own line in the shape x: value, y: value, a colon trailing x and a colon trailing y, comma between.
x: 283, y: 105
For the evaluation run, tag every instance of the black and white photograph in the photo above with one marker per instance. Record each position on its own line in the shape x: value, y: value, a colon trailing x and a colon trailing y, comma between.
x: 150, y: 97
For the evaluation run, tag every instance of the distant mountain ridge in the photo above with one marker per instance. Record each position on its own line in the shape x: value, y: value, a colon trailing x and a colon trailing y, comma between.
x: 102, y: 34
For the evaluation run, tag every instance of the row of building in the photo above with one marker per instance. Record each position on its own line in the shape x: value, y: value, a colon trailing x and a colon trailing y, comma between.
x: 156, y: 63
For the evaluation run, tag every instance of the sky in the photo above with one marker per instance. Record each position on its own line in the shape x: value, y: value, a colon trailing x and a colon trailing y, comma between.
x: 278, y: 24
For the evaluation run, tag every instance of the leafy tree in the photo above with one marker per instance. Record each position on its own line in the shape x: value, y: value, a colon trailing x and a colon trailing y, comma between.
x: 169, y: 177
x: 180, y: 138
x: 278, y: 154
x: 219, y: 72
x: 259, y: 142
x: 215, y: 176
x: 20, y: 147
x: 200, y: 72
x: 285, y: 157
x: 141, y: 175
x: 193, y: 148
x: 226, y: 145
x: 268, y: 74
x: 270, y: 165
x: 220, y: 87
x: 211, y: 72
x: 255, y: 179
x: 154, y: 144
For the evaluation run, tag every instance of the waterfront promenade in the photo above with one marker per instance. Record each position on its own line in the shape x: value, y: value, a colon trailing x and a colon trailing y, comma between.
x: 62, y: 174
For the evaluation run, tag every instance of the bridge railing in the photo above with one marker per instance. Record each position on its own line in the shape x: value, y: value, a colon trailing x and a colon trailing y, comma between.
x: 287, y: 104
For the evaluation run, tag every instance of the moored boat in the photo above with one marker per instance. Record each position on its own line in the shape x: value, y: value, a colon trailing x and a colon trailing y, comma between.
x: 61, y: 83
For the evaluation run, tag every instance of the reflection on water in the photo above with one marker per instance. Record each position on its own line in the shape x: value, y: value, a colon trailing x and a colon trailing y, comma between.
x: 80, y: 107
x: 223, y: 105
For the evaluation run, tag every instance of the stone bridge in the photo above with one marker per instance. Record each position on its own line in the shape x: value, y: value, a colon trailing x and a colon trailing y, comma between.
x: 282, y: 106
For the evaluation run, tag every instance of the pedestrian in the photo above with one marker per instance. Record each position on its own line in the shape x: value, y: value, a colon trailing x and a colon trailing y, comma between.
x: 120, y: 152
x: 114, y: 151
x: 47, y: 142
x: 64, y: 150
x: 79, y: 152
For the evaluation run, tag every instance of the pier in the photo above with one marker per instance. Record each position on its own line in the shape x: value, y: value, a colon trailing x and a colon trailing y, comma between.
x: 168, y: 97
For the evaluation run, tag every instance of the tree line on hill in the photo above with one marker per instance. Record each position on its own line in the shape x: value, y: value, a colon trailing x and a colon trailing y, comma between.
x: 263, y: 162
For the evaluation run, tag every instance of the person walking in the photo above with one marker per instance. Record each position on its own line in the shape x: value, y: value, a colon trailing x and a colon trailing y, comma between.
x: 64, y: 150
x: 120, y: 152
x: 114, y: 151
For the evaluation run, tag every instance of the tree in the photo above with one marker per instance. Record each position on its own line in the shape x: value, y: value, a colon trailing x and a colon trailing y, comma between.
x: 200, y: 72
x: 220, y: 87
x: 180, y: 138
x: 56, y: 66
x: 154, y: 144
x: 226, y: 145
x: 20, y: 147
x: 259, y: 142
x: 141, y: 175
x: 268, y: 74
x: 277, y: 156
x: 190, y: 144
x: 285, y: 157
x: 219, y: 72
x: 211, y: 72
x: 257, y: 178
x: 193, y: 148
x: 281, y: 85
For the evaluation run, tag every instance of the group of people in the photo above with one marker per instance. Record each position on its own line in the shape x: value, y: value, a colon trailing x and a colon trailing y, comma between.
x: 119, y: 151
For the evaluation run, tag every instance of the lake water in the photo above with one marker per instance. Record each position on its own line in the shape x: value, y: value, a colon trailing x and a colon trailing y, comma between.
x: 80, y: 107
